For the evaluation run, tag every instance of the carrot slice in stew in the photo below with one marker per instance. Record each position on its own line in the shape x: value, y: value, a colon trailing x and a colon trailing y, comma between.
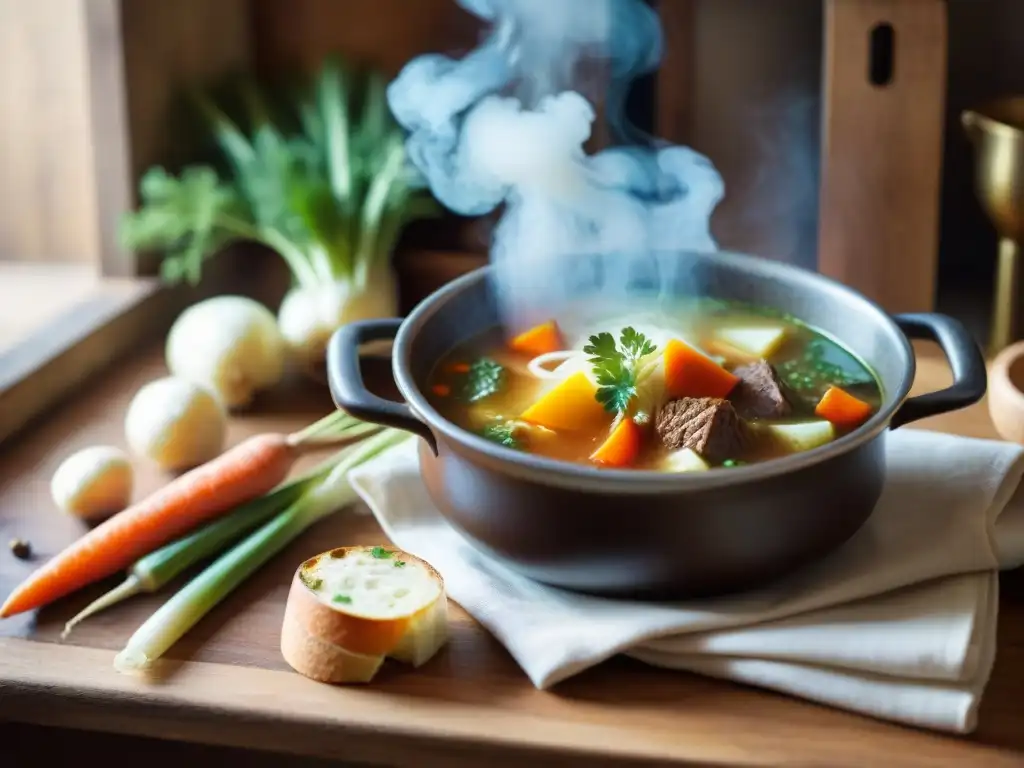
x: 843, y: 409
x: 689, y: 373
x: 621, y: 447
x: 538, y: 340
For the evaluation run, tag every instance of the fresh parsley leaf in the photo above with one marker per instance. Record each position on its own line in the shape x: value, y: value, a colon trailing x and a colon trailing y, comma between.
x: 343, y: 599
x: 635, y: 344
x: 380, y: 553
x: 399, y: 563
x: 615, y: 399
x: 601, y: 347
x: 616, y: 369
x: 502, y: 434
x: 484, y: 378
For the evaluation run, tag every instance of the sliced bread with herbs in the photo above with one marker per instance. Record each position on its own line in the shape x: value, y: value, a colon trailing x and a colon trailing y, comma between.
x: 352, y: 607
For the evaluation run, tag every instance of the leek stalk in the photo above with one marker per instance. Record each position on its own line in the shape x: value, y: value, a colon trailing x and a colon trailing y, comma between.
x: 157, y: 569
x: 186, y: 608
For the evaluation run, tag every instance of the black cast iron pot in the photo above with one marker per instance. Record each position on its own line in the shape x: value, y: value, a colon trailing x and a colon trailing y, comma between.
x: 649, y: 534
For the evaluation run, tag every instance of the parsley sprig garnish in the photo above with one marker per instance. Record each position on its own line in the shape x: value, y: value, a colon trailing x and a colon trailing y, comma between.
x: 616, y: 366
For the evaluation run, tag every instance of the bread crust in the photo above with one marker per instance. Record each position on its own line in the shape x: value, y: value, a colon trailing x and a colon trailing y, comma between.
x: 327, y: 642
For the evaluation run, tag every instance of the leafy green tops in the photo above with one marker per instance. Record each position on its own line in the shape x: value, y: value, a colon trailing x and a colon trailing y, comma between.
x: 617, y: 366
x: 323, y: 182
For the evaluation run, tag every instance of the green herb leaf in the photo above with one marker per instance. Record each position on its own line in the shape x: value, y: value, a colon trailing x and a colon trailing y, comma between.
x: 189, y: 217
x: 380, y: 553
x: 616, y: 370
x: 309, y: 581
x: 602, y: 347
x: 484, y: 378
x: 343, y: 599
x: 635, y: 344
x: 327, y: 187
x: 616, y: 384
x: 502, y: 434
x: 399, y: 563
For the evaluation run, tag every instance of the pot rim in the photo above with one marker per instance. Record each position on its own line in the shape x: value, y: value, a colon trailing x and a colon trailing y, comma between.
x: 575, y: 475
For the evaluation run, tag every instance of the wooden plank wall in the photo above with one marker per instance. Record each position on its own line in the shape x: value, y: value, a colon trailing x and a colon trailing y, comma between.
x: 882, y: 153
x: 49, y: 206
x: 88, y: 90
x: 295, y: 35
x: 86, y: 94
x: 169, y: 47
x: 676, y: 76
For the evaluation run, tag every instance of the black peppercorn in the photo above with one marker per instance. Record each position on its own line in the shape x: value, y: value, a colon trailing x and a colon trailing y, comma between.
x: 21, y: 549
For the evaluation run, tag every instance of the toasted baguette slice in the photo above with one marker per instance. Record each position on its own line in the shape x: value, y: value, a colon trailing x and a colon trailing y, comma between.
x: 351, y: 607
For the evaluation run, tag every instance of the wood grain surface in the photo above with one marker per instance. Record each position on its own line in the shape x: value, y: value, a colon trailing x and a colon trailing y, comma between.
x: 226, y: 683
x: 45, y: 140
x: 88, y: 90
x: 881, y: 163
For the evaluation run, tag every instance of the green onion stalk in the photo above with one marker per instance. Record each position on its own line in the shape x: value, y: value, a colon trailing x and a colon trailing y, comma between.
x: 186, y: 608
x: 157, y: 569
x: 325, y: 185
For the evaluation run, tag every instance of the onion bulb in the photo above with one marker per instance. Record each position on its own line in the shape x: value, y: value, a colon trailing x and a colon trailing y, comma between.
x: 176, y: 423
x: 230, y: 345
x: 309, y: 315
x: 93, y: 483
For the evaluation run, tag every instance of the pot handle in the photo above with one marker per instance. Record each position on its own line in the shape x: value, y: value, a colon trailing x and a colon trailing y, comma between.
x: 964, y: 357
x: 346, y: 379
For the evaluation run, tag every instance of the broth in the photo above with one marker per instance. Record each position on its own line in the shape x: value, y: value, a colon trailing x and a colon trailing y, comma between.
x: 488, y: 387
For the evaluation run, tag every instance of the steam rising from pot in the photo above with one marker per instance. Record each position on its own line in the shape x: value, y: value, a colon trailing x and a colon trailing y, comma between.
x: 507, y: 125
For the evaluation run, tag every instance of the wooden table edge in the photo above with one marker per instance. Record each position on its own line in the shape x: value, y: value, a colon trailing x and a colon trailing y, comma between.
x: 226, y: 705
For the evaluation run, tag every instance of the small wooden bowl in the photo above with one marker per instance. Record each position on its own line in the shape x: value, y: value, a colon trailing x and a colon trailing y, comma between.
x: 1006, y: 393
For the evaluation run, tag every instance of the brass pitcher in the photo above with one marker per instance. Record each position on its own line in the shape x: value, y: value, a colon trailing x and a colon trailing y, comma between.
x: 996, y: 131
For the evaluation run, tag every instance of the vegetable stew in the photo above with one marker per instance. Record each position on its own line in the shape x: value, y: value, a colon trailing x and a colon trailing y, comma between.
x: 712, y: 384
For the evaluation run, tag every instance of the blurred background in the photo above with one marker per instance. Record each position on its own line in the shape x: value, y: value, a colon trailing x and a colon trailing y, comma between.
x: 90, y: 96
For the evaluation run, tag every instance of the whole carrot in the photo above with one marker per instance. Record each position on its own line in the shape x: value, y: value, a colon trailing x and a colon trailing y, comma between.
x: 247, y: 471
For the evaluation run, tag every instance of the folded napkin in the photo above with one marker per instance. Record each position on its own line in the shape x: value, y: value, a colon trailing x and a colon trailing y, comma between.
x: 899, y: 623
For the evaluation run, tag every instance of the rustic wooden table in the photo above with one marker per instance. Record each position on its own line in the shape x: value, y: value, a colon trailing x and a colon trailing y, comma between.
x: 228, y: 685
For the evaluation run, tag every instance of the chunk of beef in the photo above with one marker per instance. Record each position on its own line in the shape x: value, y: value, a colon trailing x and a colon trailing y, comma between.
x: 760, y: 393
x: 707, y: 425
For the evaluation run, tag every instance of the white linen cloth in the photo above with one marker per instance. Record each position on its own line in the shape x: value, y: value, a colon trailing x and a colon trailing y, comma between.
x: 899, y: 623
